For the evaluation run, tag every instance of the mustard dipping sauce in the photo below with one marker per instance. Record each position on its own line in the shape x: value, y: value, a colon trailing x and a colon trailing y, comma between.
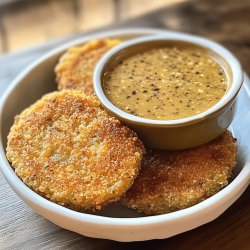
x: 166, y: 83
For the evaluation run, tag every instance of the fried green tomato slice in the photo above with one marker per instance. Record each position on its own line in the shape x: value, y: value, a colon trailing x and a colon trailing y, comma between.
x: 76, y: 67
x: 69, y: 150
x: 173, y: 180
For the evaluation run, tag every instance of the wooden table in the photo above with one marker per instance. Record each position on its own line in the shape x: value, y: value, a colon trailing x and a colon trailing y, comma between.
x: 20, y: 228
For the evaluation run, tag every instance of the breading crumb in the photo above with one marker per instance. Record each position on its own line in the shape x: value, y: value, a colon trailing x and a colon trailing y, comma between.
x: 75, y: 68
x: 69, y: 150
x: 173, y: 180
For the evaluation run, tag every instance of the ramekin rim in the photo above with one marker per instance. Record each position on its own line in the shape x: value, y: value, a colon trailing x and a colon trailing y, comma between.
x: 237, y: 78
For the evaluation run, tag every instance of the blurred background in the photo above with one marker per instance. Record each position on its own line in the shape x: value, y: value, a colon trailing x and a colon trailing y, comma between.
x: 25, y: 23
x: 28, y: 23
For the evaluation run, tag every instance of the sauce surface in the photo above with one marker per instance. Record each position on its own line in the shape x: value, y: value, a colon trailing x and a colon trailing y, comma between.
x: 166, y: 83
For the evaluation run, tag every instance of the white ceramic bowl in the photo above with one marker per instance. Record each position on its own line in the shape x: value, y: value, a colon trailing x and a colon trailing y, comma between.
x: 116, y: 222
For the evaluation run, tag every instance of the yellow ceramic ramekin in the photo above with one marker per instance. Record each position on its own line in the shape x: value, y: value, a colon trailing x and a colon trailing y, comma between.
x: 182, y: 133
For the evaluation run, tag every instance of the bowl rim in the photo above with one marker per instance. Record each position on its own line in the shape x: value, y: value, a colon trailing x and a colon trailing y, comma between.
x: 241, y: 180
x: 225, y: 194
x: 229, y: 96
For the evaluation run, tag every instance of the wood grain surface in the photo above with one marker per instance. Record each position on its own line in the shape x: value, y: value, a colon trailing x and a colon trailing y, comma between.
x: 20, y: 228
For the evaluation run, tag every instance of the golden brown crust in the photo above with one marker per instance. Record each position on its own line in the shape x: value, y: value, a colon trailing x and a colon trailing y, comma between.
x: 69, y: 150
x: 75, y: 68
x: 173, y: 180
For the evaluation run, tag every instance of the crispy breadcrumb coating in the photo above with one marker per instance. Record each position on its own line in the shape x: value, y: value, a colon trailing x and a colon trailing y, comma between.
x: 173, y: 180
x: 76, y: 67
x: 69, y: 150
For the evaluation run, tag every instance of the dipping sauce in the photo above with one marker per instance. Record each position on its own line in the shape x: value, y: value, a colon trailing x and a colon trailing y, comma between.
x: 166, y: 83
